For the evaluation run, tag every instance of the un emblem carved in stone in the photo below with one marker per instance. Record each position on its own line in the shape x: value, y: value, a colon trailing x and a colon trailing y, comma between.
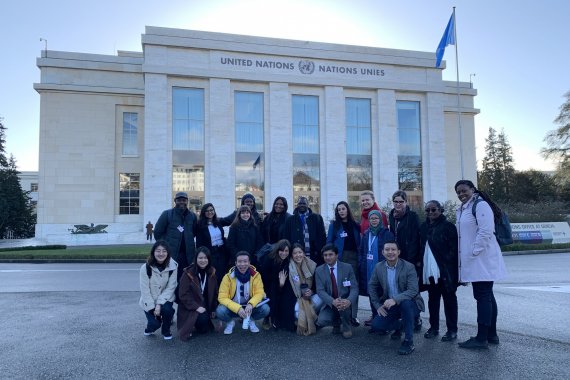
x: 306, y: 67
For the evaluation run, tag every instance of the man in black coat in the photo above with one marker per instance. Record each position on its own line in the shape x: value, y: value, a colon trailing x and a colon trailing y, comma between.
x: 306, y: 228
x: 177, y: 226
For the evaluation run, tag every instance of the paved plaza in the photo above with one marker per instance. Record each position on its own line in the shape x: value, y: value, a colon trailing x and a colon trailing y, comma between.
x: 83, y: 321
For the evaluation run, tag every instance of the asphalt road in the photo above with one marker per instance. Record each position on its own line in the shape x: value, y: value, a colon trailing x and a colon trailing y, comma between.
x: 83, y: 321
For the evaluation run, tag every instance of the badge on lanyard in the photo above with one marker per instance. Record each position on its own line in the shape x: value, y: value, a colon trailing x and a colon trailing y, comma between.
x: 370, y: 257
x: 296, y: 278
x: 343, y: 234
x: 346, y: 283
x: 180, y: 228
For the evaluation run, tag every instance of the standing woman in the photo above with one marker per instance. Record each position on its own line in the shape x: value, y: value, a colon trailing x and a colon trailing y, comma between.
x: 439, y: 274
x: 344, y: 232
x: 480, y: 259
x: 198, y: 294
x: 157, y: 283
x: 370, y: 253
x: 273, y: 224
x: 281, y: 295
x: 210, y: 234
x: 244, y: 235
x: 405, y: 225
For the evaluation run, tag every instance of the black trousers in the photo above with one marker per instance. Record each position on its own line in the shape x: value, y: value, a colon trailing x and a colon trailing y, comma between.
x: 435, y: 293
x: 486, y: 308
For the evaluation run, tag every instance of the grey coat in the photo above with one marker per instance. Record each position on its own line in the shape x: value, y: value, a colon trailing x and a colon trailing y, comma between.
x: 324, y: 284
x: 406, y: 282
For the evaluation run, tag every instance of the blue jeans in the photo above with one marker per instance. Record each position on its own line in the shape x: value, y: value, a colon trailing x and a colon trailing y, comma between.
x: 166, y: 314
x: 407, y: 311
x: 226, y: 315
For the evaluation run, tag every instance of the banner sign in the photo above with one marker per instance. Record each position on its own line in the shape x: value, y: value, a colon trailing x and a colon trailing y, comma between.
x: 541, y: 233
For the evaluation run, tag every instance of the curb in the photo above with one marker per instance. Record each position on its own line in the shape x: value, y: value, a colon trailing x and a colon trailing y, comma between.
x: 130, y: 261
x: 71, y: 261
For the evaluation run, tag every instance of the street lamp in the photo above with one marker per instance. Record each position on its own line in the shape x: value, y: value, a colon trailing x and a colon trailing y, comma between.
x: 470, y: 82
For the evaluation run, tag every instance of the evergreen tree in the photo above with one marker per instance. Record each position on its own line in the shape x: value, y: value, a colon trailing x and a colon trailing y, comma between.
x: 16, y: 210
x: 497, y: 175
x: 558, y: 143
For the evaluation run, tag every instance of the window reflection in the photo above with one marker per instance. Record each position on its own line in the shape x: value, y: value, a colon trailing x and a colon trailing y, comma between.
x: 187, y: 118
x: 188, y: 144
x: 358, y: 149
x: 409, y: 151
x: 248, y: 114
x: 129, y: 193
x: 306, y: 161
x: 130, y: 146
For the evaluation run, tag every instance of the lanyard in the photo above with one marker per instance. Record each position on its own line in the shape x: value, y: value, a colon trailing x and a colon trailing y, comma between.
x: 371, y: 242
x: 202, y: 282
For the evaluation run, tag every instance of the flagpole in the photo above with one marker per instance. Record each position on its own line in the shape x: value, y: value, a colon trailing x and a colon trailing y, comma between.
x: 458, y: 96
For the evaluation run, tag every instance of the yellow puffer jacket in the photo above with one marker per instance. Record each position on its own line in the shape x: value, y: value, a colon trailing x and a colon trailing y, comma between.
x: 228, y: 289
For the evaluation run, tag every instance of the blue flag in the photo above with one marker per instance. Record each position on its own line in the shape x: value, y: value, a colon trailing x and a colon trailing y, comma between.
x: 448, y: 38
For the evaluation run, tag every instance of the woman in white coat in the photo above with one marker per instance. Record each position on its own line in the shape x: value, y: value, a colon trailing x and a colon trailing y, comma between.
x: 480, y: 259
x: 157, y: 283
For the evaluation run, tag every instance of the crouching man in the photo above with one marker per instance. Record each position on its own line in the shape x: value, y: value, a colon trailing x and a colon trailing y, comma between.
x: 394, y: 293
x: 337, y: 287
x: 241, y: 294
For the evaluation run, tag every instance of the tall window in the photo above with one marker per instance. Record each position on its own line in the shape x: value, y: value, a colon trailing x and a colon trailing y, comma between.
x: 409, y: 151
x: 306, y: 166
x: 358, y: 150
x: 188, y: 144
x: 130, y: 134
x: 248, y: 115
x: 129, y: 190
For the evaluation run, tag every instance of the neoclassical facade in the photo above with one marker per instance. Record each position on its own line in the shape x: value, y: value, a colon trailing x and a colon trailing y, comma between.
x: 218, y: 115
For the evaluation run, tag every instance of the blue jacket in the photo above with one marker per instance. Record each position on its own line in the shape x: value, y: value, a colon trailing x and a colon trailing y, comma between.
x: 365, y: 267
x: 335, y: 236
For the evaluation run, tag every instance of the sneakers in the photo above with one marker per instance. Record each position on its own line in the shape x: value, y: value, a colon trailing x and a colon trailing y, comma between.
x: 347, y: 334
x: 253, y: 327
x: 147, y: 333
x: 406, y: 348
x: 493, y: 339
x: 355, y: 322
x: 229, y: 327
x: 167, y: 336
x: 431, y: 333
x: 474, y: 344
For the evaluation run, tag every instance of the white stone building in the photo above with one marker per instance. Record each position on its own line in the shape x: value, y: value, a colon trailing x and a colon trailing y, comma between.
x: 218, y: 114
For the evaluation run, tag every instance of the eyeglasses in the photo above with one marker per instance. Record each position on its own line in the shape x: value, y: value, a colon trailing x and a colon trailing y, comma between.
x: 399, y: 201
x: 433, y: 209
x: 210, y: 210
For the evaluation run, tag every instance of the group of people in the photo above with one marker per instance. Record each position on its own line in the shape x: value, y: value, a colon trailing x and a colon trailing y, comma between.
x: 285, y: 270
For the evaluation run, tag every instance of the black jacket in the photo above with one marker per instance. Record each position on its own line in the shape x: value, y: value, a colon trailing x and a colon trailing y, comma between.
x: 407, y: 233
x: 244, y: 237
x: 442, y: 238
x: 293, y: 232
x: 166, y: 228
x: 273, y: 226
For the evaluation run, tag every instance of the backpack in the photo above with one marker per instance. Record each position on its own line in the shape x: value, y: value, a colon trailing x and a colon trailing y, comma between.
x: 503, y: 231
x: 149, y: 272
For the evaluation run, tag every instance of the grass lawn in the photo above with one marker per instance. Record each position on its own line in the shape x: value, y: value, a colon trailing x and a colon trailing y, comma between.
x: 141, y: 251
x: 78, y: 253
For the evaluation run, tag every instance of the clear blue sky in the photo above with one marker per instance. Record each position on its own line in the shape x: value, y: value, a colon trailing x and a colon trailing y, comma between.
x: 519, y: 50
